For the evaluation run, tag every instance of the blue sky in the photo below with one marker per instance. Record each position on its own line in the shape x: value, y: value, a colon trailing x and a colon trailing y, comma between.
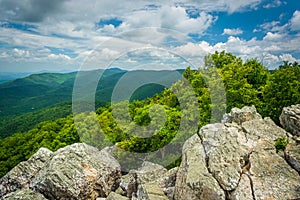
x: 72, y: 34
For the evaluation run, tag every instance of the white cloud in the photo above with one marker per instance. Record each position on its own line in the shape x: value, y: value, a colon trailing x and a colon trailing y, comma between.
x: 169, y: 17
x: 176, y: 18
x: 236, y: 31
x: 273, y: 48
x: 20, y: 53
x: 274, y: 26
x: 272, y: 36
x: 274, y: 4
x: 287, y: 57
x: 268, y: 50
x: 72, y: 25
x: 295, y: 21
x: 58, y: 57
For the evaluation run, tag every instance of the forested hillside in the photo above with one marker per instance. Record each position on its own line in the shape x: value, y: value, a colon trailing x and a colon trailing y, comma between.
x: 246, y: 83
x: 39, y: 91
x: 40, y: 97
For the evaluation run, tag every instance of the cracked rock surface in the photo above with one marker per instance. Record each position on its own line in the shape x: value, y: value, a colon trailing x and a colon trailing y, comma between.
x: 290, y: 119
x: 211, y: 161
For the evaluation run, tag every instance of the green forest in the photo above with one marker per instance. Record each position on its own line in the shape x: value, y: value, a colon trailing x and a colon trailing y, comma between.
x: 245, y: 82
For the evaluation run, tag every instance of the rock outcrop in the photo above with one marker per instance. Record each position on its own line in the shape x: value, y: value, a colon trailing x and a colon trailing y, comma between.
x: 24, y: 194
x: 235, y: 159
x: 22, y: 175
x: 151, y: 181
x: 77, y: 171
x: 290, y: 119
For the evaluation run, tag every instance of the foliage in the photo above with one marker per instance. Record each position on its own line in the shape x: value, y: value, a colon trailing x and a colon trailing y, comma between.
x: 282, y: 89
x: 49, y: 134
x: 40, y: 97
x: 281, y: 143
x: 40, y: 91
x: 26, y: 121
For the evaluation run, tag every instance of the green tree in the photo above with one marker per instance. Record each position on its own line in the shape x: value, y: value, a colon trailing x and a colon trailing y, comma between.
x: 281, y: 90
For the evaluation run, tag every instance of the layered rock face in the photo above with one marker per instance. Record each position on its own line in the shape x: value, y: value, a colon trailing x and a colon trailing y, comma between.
x: 236, y: 159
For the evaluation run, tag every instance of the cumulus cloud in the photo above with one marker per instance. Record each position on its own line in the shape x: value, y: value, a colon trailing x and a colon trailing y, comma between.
x: 269, y: 52
x: 295, y: 21
x: 169, y: 17
x: 236, y: 31
x: 177, y: 18
x: 287, y: 57
x: 272, y: 36
x: 71, y: 24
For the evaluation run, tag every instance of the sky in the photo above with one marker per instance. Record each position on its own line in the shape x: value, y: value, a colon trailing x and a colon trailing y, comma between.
x: 71, y: 35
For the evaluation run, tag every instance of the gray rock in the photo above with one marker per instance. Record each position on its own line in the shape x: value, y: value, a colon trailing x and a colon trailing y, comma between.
x: 78, y: 171
x: 115, y: 196
x: 193, y: 180
x: 150, y: 191
x: 160, y: 185
x: 129, y: 184
x: 22, y: 174
x: 243, y: 191
x: 167, y: 182
x: 223, y: 146
x: 292, y: 155
x: 223, y: 152
x: 262, y: 129
x: 150, y: 172
x: 140, y: 183
x: 241, y: 115
x: 272, y: 176
x: 24, y: 194
x: 290, y: 119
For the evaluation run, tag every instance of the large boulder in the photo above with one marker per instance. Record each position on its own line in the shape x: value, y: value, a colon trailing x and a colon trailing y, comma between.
x: 223, y: 147
x: 290, y: 119
x: 239, y: 116
x: 194, y: 181
x: 24, y: 194
x: 292, y: 155
x: 21, y: 175
x: 211, y: 165
x: 270, y: 176
x: 78, y: 171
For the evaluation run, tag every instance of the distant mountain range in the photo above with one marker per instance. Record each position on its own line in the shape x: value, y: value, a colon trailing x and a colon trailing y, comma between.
x: 25, y: 98
x: 8, y: 76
